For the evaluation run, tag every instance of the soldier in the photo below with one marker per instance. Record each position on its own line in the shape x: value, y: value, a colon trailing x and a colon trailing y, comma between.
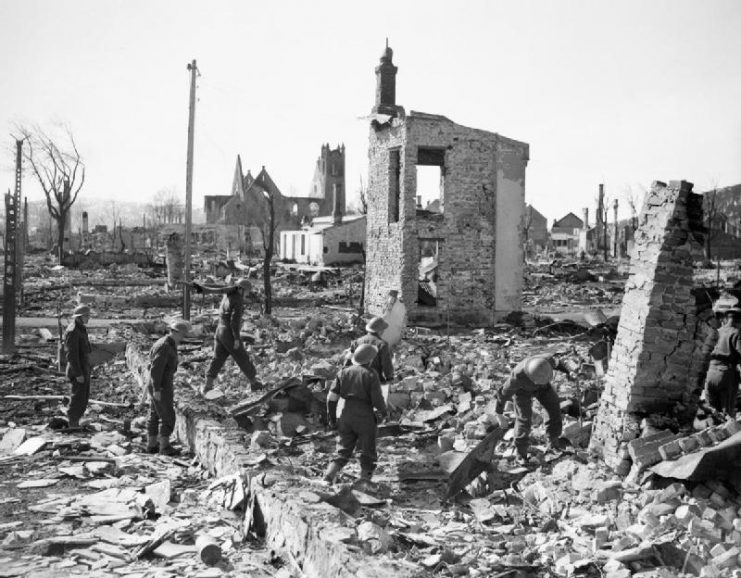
x: 77, y: 346
x: 359, y: 386
x: 227, y: 339
x: 531, y: 378
x: 163, y: 362
x: 721, y: 382
x: 383, y: 364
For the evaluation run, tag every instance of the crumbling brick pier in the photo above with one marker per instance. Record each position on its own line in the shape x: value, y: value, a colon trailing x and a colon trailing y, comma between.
x: 657, y: 361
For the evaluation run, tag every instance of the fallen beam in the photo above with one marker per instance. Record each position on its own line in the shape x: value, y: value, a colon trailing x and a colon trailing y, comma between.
x: 62, y: 398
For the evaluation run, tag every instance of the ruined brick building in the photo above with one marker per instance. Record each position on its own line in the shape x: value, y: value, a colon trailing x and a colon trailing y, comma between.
x: 328, y: 185
x: 326, y: 195
x: 460, y: 260
x: 663, y: 342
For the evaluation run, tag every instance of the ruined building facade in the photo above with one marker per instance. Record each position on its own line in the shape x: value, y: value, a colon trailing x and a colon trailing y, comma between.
x: 328, y: 185
x: 660, y: 353
x: 461, y: 259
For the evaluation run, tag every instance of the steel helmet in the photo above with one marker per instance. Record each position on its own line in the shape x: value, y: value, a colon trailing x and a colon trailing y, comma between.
x: 243, y: 283
x: 364, y: 354
x: 81, y: 310
x: 539, y: 370
x: 376, y: 325
x: 181, y: 326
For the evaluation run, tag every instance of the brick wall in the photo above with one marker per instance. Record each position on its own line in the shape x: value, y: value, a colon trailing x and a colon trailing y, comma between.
x: 483, y: 205
x: 658, y: 357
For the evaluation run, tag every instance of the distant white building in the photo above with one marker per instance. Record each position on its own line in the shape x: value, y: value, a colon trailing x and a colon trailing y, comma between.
x: 327, y: 241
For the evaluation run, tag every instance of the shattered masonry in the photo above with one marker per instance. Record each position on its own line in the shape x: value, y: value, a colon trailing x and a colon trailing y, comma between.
x: 477, y: 232
x: 658, y: 356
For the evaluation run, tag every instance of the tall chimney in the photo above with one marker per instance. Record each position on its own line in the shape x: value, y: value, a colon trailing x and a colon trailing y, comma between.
x: 585, y: 211
x: 386, y: 83
x: 337, y: 203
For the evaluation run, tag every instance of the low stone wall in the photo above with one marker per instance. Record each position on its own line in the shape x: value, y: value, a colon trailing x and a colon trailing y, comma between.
x: 294, y: 519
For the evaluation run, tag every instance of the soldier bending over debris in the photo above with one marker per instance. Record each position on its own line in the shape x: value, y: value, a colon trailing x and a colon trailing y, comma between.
x: 721, y: 382
x: 163, y: 362
x: 77, y: 347
x: 360, y: 387
x: 531, y: 378
x: 227, y: 339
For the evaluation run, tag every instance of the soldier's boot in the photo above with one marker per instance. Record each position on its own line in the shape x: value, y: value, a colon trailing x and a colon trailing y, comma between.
x: 73, y: 423
x: 208, y: 386
x: 332, y: 470
x: 165, y: 448
x: 256, y: 385
x: 366, y: 475
x: 153, y: 444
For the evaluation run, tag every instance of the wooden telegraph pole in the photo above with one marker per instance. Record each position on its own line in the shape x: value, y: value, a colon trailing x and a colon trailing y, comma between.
x: 13, y: 237
x: 189, y: 189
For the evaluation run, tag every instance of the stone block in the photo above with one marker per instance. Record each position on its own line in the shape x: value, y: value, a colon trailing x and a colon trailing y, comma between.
x: 705, y: 530
x: 718, y: 487
x: 290, y: 424
x: 717, y: 500
x: 670, y: 451
x: 727, y: 559
x: 644, y: 451
x: 717, y: 434
x: 608, y: 491
x: 701, y: 492
x: 672, y: 491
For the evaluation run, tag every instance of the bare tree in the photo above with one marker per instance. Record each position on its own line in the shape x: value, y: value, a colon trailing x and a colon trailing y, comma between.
x: 268, y: 224
x: 363, y: 194
x: 167, y: 206
x: 634, y: 200
x: 59, y: 170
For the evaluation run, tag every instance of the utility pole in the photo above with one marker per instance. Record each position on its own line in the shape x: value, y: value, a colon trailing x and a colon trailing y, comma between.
x: 13, y: 237
x: 189, y: 188
x: 615, y: 240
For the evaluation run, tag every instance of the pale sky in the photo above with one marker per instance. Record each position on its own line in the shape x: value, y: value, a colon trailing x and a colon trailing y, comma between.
x: 620, y: 93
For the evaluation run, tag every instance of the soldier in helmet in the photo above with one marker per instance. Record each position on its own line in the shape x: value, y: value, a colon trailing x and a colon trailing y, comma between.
x: 359, y: 386
x: 383, y: 363
x: 163, y: 363
x: 531, y: 378
x: 77, y: 351
x: 721, y: 382
x: 227, y: 339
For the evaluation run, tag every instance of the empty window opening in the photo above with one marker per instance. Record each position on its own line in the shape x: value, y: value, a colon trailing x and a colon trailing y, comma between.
x: 429, y: 256
x: 394, y: 185
x: 430, y: 179
x: 303, y: 245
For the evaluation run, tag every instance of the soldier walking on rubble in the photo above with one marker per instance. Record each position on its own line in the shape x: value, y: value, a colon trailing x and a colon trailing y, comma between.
x: 722, y: 380
x: 77, y: 347
x: 359, y: 386
x: 163, y: 362
x: 531, y: 378
x: 227, y: 339
x: 383, y: 364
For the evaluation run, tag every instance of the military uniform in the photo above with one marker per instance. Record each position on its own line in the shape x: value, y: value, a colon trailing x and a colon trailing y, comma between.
x: 227, y: 333
x: 77, y: 345
x: 383, y: 364
x: 163, y: 362
x: 360, y: 387
x: 520, y: 387
x: 721, y: 383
